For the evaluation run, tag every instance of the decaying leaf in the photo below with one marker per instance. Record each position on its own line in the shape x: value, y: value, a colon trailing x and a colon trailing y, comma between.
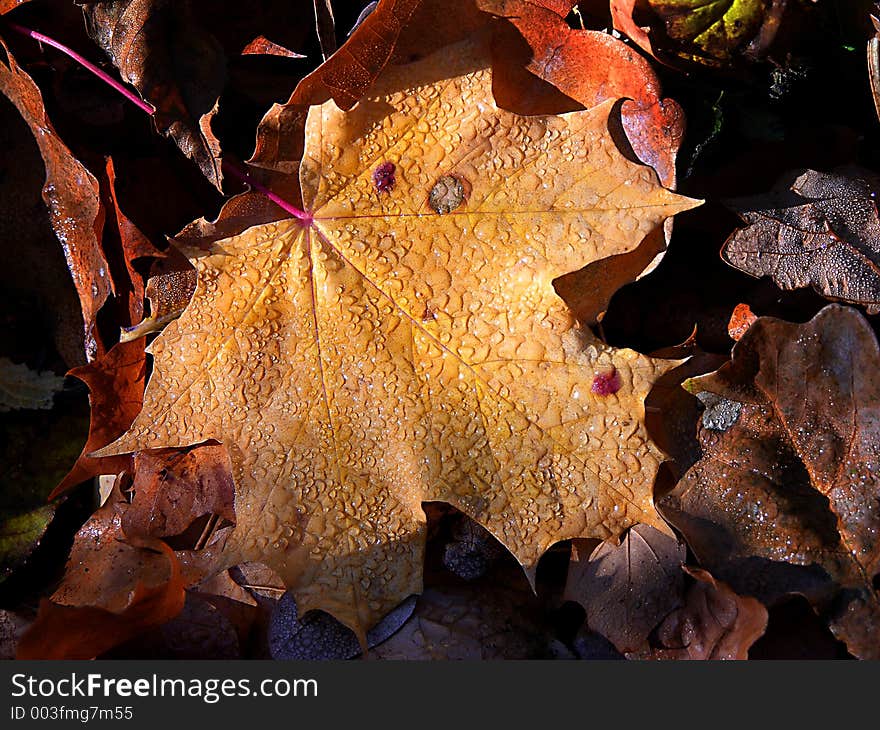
x: 628, y: 589
x: 71, y: 195
x: 708, y: 32
x: 785, y: 498
x: 21, y: 387
x: 713, y: 623
x: 174, y: 63
x: 820, y: 230
x: 382, y: 354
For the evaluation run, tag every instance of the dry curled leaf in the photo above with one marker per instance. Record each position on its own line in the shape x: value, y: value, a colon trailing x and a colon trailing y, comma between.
x: 627, y: 590
x: 175, y: 64
x: 820, y: 230
x: 382, y: 354
x: 713, y: 623
x: 785, y: 498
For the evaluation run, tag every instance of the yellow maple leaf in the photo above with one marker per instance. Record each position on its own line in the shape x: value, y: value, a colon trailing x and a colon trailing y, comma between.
x: 406, y: 343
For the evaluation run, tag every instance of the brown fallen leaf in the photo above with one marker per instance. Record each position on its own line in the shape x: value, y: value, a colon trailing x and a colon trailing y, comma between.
x: 173, y: 489
x: 175, y: 64
x: 820, y: 230
x: 344, y: 77
x: 71, y: 195
x: 168, y: 294
x: 129, y: 241
x: 116, y: 388
x: 384, y: 353
x: 84, y: 632
x: 785, y: 498
x: 627, y: 590
x: 713, y: 623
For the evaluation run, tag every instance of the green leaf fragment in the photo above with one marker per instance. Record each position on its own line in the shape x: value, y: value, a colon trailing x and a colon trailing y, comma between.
x: 714, y: 29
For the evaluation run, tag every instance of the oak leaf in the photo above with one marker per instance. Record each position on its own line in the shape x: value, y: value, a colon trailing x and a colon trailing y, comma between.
x: 713, y: 623
x: 786, y: 498
x: 379, y: 353
x: 816, y: 229
x: 628, y: 589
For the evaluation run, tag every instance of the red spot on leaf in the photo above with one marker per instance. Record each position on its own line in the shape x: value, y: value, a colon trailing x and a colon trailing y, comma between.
x: 384, y: 177
x: 607, y: 383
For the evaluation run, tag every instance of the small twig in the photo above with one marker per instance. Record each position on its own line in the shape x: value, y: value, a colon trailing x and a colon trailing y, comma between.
x: 150, y: 109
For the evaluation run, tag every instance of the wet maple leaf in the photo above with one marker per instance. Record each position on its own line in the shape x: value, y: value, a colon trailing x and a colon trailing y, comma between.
x: 406, y: 344
x: 786, y: 498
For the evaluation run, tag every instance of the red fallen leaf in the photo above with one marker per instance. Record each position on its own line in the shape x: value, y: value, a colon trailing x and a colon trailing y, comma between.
x: 129, y: 288
x: 84, y: 632
x: 116, y: 391
x: 104, y: 564
x: 714, y: 623
x: 740, y: 321
x: 622, y: 16
x: 263, y: 46
x: 786, y: 498
x: 627, y: 590
x: 72, y: 197
x: 174, y: 63
x: 589, y: 67
x: 173, y: 488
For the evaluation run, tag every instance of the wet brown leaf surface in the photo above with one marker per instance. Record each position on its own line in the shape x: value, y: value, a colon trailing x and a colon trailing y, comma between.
x: 71, y: 195
x: 785, y: 498
x: 628, y: 589
x: 821, y: 230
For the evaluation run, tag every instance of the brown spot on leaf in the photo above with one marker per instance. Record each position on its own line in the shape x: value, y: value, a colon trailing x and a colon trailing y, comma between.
x: 446, y: 195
